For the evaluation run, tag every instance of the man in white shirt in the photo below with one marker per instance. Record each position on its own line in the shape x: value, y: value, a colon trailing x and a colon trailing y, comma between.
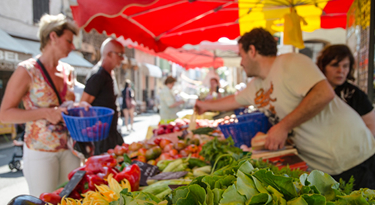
x: 329, y: 135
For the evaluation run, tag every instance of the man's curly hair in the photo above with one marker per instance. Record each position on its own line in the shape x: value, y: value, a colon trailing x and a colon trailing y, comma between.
x: 263, y: 41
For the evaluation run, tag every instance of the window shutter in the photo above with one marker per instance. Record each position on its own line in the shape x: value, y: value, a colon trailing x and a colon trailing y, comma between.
x: 40, y: 7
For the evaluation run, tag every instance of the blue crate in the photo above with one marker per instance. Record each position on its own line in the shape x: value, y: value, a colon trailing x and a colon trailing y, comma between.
x: 243, y: 131
x: 88, y: 126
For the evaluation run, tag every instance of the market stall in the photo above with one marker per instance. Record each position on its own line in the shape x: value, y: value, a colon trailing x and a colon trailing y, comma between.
x: 178, y: 165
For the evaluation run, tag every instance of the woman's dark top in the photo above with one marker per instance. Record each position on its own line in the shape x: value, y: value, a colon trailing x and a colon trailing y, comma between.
x: 126, y: 93
x: 354, y: 97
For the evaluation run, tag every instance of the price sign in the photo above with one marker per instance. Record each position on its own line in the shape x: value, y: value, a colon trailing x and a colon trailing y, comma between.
x: 147, y: 170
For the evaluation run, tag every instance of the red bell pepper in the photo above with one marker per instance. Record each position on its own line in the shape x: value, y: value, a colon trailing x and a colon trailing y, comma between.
x: 95, y: 180
x: 50, y: 198
x: 105, y: 171
x: 133, y: 174
x: 58, y: 191
x: 75, y: 195
x: 70, y: 175
x: 95, y: 164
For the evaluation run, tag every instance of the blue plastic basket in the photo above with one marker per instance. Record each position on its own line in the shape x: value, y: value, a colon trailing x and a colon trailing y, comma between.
x: 88, y: 126
x: 243, y: 131
x: 239, y: 111
x: 249, y: 116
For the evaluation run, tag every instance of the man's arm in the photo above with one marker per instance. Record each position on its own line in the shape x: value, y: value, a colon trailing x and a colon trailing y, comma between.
x: 369, y: 120
x: 222, y: 104
x: 176, y: 104
x: 87, y: 98
x: 313, y: 103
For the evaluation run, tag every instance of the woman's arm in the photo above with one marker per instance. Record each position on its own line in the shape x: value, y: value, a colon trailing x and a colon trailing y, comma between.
x: 17, y: 87
x: 369, y: 120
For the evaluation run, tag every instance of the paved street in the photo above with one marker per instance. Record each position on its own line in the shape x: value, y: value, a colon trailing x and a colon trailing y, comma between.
x: 12, y: 183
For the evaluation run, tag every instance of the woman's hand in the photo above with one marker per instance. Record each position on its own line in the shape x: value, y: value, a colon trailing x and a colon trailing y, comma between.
x: 83, y: 104
x: 53, y: 115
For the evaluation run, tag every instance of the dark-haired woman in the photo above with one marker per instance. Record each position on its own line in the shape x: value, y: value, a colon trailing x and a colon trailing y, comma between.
x: 128, y: 105
x: 337, y: 64
x: 214, y: 93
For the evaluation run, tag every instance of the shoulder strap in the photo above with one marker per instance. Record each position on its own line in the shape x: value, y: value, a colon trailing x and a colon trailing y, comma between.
x: 50, y: 80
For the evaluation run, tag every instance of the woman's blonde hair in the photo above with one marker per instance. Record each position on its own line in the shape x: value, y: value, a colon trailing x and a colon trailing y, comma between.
x: 54, y: 23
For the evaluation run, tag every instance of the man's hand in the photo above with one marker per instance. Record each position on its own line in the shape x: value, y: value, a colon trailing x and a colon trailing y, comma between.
x: 84, y: 104
x: 200, y: 107
x: 53, y: 115
x: 277, y: 136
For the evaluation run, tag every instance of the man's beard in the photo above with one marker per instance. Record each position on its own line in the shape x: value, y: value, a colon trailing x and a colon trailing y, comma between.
x: 253, y: 66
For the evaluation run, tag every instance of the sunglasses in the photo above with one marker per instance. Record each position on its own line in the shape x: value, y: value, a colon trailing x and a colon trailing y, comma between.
x: 120, y: 54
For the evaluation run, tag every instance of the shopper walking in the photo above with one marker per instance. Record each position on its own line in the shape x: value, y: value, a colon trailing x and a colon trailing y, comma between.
x: 128, y: 105
x: 168, y: 104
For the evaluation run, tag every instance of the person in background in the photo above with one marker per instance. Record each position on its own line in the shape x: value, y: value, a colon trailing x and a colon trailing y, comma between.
x: 99, y: 90
x: 42, y: 86
x: 168, y: 104
x: 329, y: 135
x: 128, y: 105
x: 214, y: 93
x: 337, y: 64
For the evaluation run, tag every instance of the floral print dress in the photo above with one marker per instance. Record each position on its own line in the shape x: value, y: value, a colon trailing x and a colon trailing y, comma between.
x: 41, y: 135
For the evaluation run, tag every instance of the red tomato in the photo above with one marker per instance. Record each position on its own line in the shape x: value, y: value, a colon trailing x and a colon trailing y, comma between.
x: 164, y: 142
x: 173, y: 152
x: 141, y: 158
x: 135, y: 146
x: 185, y: 152
x: 165, y: 156
x: 193, y: 148
x: 50, y: 198
x: 142, y: 152
x: 118, y: 150
x: 168, y: 147
x: 178, y: 156
x: 111, y: 151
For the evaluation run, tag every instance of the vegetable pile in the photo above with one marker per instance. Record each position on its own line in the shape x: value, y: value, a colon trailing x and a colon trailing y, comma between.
x: 159, y: 149
x: 241, y: 183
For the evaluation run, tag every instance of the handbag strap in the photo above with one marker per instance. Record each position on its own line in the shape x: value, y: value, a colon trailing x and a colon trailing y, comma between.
x: 50, y: 80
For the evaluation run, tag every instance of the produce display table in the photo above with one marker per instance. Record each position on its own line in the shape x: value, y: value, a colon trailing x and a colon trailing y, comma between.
x: 281, y: 158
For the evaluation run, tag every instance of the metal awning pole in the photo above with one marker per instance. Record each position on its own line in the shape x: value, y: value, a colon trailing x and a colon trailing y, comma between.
x: 371, y: 54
